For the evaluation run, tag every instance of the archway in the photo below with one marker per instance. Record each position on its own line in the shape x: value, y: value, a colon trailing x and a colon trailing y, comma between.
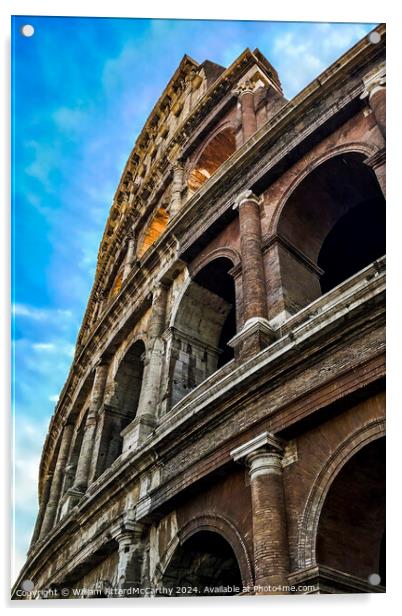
x: 219, y: 148
x: 204, y: 323
x: 117, y: 283
x: 154, y: 230
x: 205, y: 563
x: 121, y: 407
x: 351, y: 529
x: 331, y: 226
x: 128, y: 380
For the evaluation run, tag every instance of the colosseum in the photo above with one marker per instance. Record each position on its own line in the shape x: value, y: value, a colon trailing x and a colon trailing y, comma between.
x: 221, y: 430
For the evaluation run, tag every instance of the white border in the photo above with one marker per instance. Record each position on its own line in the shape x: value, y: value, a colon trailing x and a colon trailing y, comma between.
x: 308, y: 10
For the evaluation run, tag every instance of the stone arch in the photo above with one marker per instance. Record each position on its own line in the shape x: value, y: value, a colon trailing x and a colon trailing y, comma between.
x: 153, y: 230
x: 114, y: 276
x: 208, y: 523
x: 329, y: 225
x: 365, y: 149
x: 214, y: 152
x: 306, y: 549
x: 132, y: 338
x: 226, y: 252
x: 125, y: 394
x: 203, y: 321
x: 121, y: 404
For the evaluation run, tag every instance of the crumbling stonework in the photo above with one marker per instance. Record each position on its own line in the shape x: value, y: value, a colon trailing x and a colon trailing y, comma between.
x: 226, y: 398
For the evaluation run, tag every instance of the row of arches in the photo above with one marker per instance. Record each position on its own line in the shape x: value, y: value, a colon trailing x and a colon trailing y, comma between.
x: 349, y: 534
x: 219, y: 147
x: 334, y: 222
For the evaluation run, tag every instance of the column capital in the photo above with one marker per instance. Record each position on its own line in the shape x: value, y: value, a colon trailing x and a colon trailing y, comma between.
x: 130, y: 236
x: 128, y: 533
x: 103, y: 361
x: 376, y: 160
x: 66, y: 422
x: 158, y: 288
x: 245, y: 87
x: 100, y: 295
x: 178, y: 164
x: 264, y: 443
x: 374, y: 81
x: 247, y: 195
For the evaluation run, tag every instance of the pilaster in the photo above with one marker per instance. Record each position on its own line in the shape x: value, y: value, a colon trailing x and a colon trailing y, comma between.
x: 263, y: 456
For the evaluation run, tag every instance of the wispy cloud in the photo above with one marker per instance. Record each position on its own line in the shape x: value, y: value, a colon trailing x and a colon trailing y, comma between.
x: 301, y: 53
x: 40, y: 314
x: 70, y: 119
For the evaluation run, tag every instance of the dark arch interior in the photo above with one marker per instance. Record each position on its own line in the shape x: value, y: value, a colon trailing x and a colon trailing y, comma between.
x: 205, y: 562
x: 129, y: 380
x: 334, y: 221
x: 128, y: 383
x: 204, y: 323
x: 216, y: 278
x: 351, y: 529
x: 355, y: 241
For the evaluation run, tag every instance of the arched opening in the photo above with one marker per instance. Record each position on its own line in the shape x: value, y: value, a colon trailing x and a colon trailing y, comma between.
x: 351, y: 529
x: 121, y: 407
x: 206, y: 563
x: 116, y: 286
x: 154, y: 230
x: 128, y: 381
x: 204, y: 323
x: 212, y: 157
x: 331, y: 227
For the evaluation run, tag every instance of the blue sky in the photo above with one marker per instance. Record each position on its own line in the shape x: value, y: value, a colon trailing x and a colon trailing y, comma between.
x: 83, y: 88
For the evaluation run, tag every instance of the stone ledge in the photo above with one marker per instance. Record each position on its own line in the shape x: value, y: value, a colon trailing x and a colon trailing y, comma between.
x: 328, y: 580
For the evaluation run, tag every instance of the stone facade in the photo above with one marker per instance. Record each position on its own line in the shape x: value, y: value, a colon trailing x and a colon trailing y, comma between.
x: 221, y: 428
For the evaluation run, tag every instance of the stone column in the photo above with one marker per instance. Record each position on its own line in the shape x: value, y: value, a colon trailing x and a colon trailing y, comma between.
x: 101, y: 303
x: 146, y: 418
x: 263, y: 456
x: 375, y: 92
x: 57, y: 480
x: 177, y: 187
x: 253, y: 276
x: 85, y: 457
x: 131, y: 556
x: 245, y: 93
x: 128, y: 261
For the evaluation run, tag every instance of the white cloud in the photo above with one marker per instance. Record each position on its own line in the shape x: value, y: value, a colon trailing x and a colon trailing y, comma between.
x: 60, y: 347
x: 69, y: 119
x: 43, y: 346
x: 40, y: 314
x: 29, y: 436
x: 302, y: 54
x: 45, y: 158
x: 54, y: 398
x: 116, y: 68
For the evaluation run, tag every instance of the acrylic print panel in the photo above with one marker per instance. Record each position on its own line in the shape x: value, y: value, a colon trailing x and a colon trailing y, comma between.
x: 198, y: 307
